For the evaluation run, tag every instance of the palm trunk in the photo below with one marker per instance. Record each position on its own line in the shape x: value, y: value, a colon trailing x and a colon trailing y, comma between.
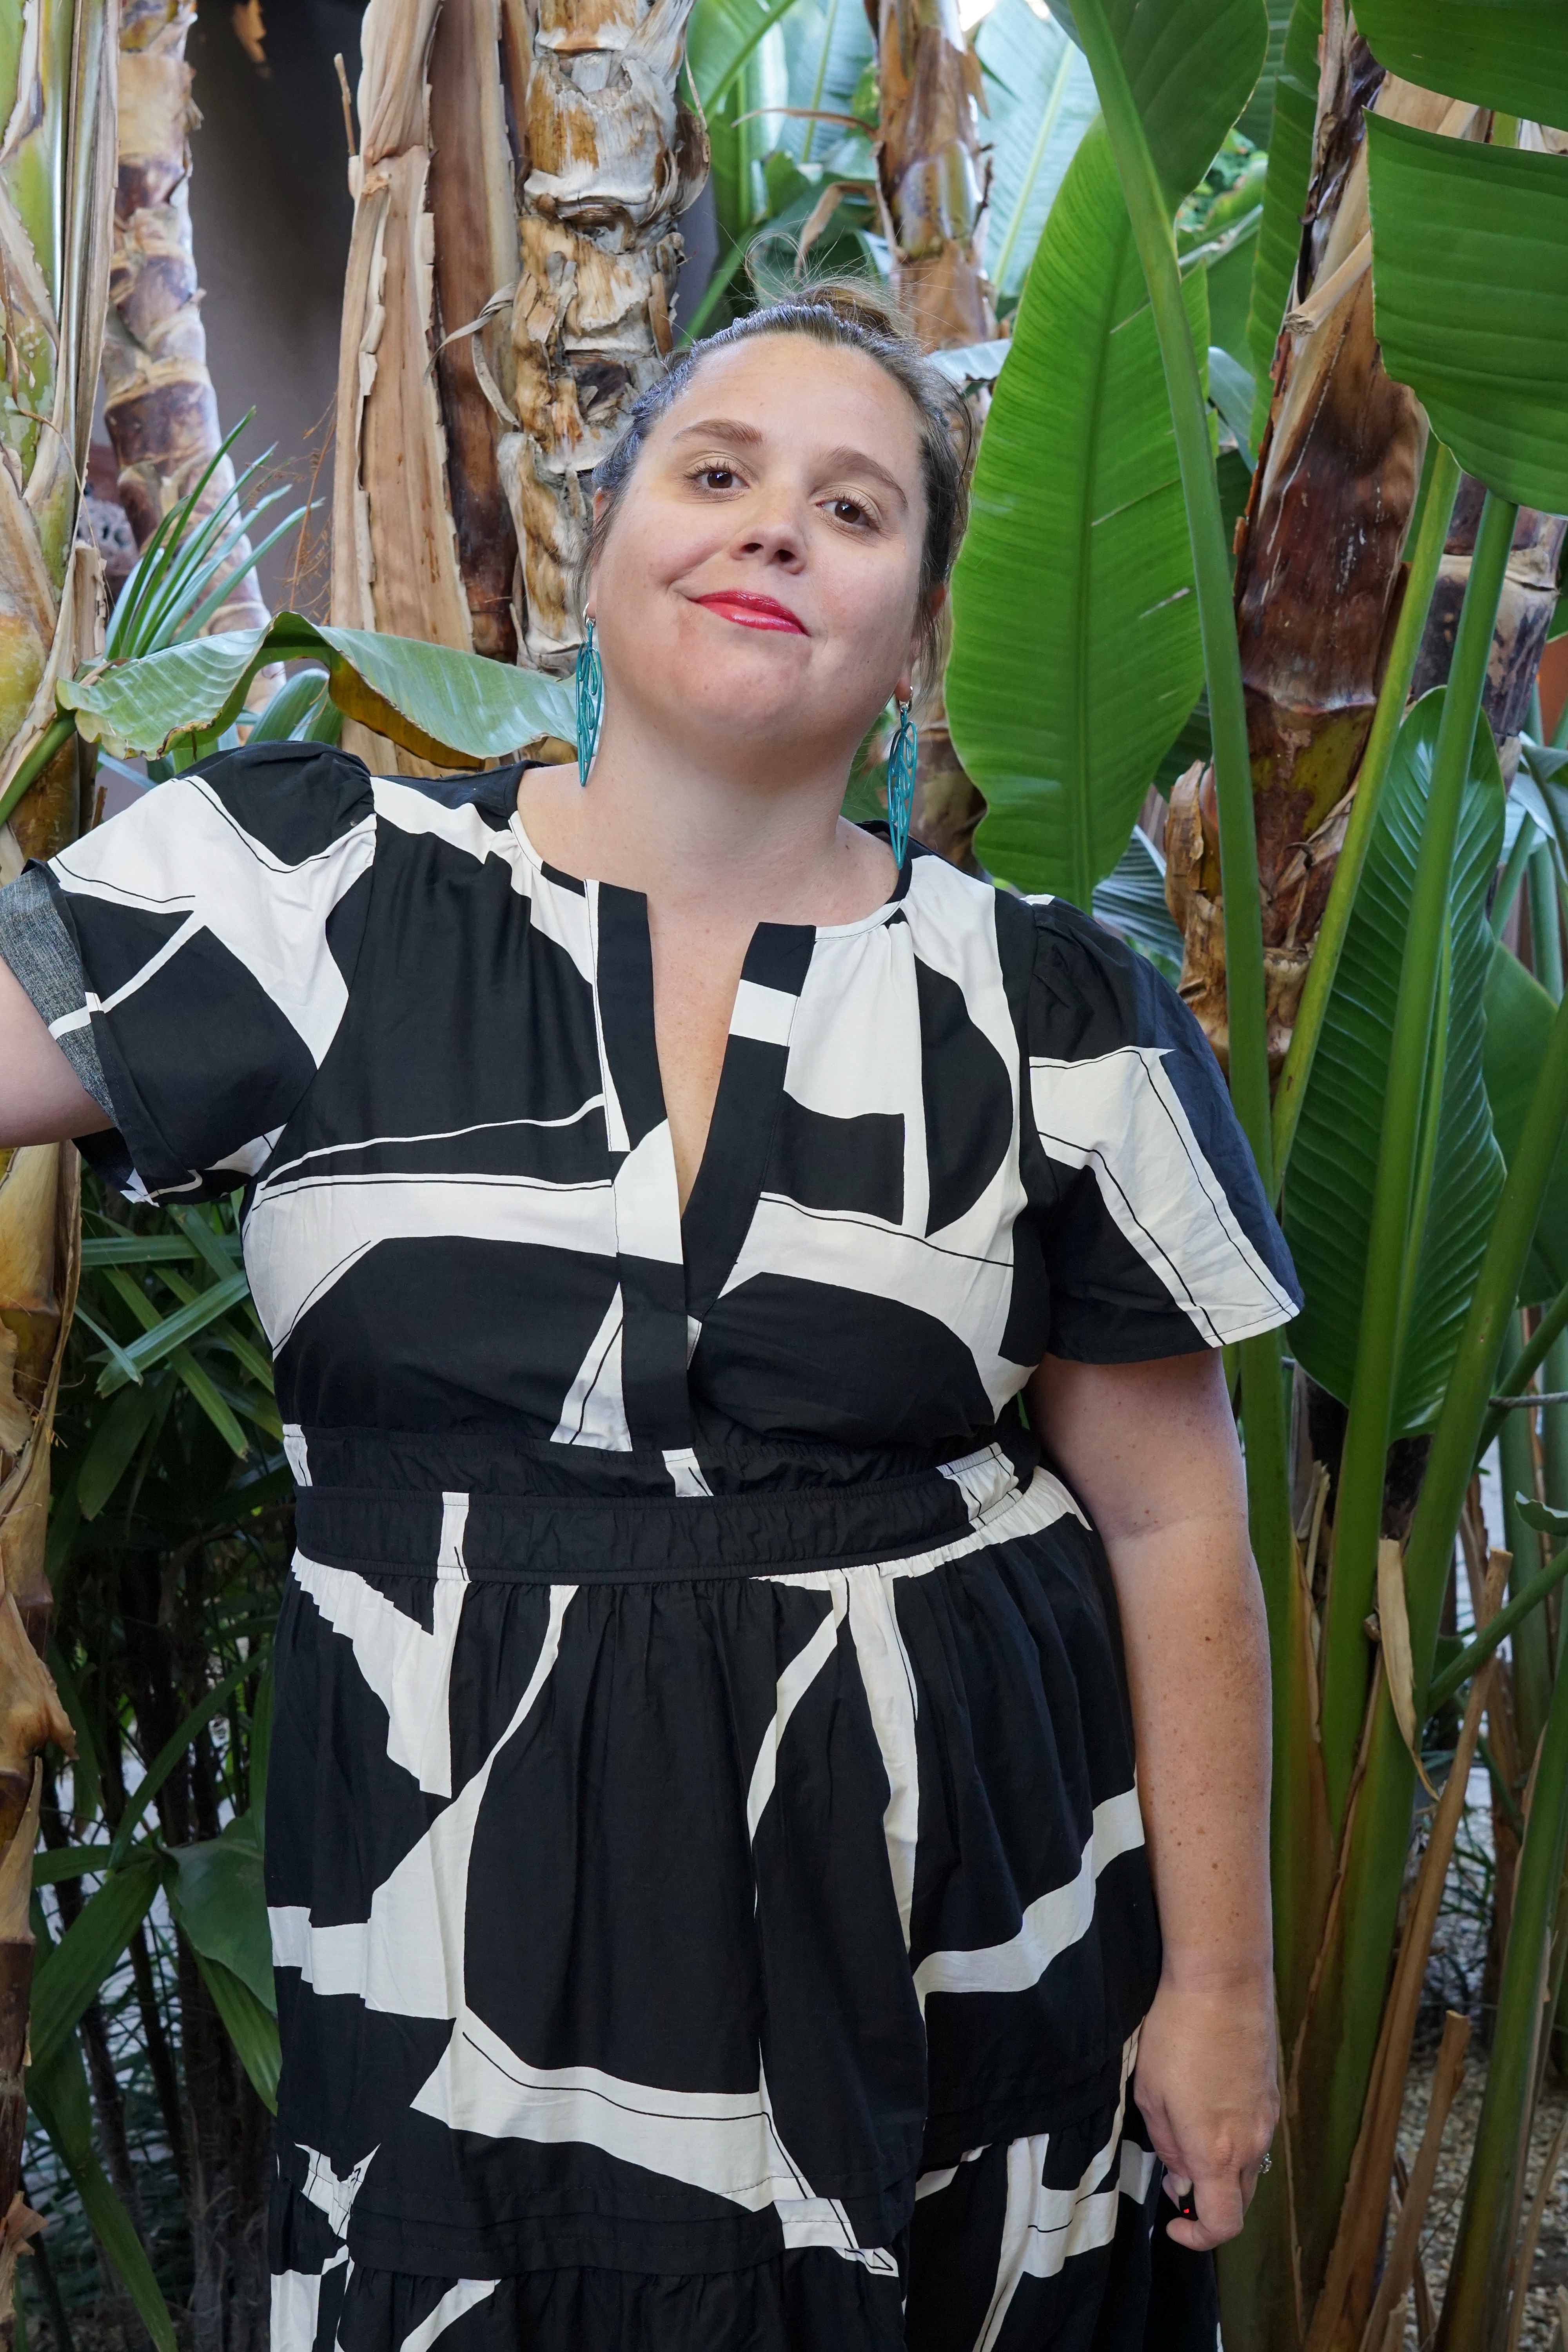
x: 933, y: 181
x: 159, y: 403
x: 1319, y: 570
x: 56, y: 191
x: 614, y: 158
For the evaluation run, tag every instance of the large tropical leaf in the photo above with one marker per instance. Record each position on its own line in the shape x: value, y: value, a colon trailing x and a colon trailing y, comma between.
x: 71, y: 1972
x: 1471, y: 287
x: 1510, y: 54
x: 483, y: 709
x: 1132, y: 901
x: 218, y: 1898
x: 434, y: 701
x: 1290, y: 144
x: 1518, y: 1018
x: 1333, y: 1167
x: 57, y: 2095
x: 1258, y: 114
x: 721, y: 37
x: 1192, y: 66
x: 1076, y: 657
x: 1040, y: 99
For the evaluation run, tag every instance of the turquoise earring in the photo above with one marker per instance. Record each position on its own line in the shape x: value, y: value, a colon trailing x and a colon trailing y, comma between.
x: 590, y: 702
x: 901, y: 783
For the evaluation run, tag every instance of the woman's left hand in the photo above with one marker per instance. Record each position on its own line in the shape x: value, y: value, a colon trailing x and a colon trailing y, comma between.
x: 1207, y: 2085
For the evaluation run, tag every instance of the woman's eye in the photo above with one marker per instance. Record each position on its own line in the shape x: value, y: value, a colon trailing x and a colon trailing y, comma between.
x: 847, y: 511
x: 718, y: 477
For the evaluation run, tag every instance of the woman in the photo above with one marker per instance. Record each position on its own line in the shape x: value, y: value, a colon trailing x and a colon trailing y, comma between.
x: 711, y: 1903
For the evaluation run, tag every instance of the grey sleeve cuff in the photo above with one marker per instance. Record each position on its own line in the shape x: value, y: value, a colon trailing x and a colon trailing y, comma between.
x: 36, y: 943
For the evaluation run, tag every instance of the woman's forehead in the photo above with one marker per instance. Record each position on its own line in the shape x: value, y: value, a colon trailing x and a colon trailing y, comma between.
x: 790, y: 385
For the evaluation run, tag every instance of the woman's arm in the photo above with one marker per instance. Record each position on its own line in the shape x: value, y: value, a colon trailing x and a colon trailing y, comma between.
x: 42, y: 1100
x: 1151, y: 1451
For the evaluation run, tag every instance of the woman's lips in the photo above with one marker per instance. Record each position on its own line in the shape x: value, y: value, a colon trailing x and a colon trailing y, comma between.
x: 752, y: 612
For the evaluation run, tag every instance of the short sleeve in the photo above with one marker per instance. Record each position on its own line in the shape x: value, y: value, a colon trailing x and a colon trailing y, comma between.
x: 1157, y: 1238
x: 193, y: 957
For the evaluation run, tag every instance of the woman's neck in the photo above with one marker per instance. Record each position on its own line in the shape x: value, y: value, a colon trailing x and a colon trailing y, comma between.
x: 657, y: 820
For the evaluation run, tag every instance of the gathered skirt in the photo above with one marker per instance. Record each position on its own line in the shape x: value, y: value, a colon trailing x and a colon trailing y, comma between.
x: 711, y: 1921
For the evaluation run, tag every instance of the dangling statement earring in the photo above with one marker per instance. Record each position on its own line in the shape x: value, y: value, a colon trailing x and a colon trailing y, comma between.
x: 590, y: 702
x: 900, y: 782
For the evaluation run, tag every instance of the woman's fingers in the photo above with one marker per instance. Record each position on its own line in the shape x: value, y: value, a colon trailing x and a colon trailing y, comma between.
x: 1214, y: 2207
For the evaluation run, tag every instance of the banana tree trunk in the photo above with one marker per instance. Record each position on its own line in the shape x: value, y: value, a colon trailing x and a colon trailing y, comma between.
x: 933, y: 181
x: 1529, y: 598
x: 56, y: 197
x: 1319, y: 571
x: 933, y: 178
x: 159, y: 405
x: 614, y: 159
x: 421, y: 542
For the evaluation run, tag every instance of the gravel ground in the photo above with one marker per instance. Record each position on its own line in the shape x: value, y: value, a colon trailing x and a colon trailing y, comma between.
x: 1551, y: 2271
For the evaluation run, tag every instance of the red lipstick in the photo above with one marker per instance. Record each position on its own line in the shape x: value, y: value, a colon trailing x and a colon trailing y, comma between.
x: 752, y: 612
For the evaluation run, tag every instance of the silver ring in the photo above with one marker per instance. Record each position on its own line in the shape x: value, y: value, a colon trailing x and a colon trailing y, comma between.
x: 1265, y: 2162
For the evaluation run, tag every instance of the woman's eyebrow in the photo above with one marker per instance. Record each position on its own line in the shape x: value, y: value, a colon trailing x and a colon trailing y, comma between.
x: 722, y: 428
x: 856, y: 461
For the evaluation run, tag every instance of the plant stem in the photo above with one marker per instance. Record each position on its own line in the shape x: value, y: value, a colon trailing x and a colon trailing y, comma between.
x: 1516, y: 1379
x: 1475, y: 1654
x: 1512, y: 875
x: 1465, y: 1406
x: 1359, y: 1507
x: 1153, y: 237
x: 1426, y: 555
x: 53, y: 740
x: 1344, y: 2030
x: 1478, y: 2272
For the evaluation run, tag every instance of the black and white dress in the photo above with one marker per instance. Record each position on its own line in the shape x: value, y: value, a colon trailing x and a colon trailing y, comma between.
x: 707, y: 1891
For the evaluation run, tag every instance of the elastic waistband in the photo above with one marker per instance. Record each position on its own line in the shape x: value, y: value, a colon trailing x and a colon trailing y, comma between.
x: 594, y: 1538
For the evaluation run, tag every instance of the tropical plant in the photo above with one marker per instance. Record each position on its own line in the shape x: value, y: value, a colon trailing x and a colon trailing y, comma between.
x: 56, y: 167
x: 159, y: 407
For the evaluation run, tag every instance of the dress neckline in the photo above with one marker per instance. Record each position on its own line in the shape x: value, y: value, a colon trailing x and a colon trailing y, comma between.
x: 883, y: 913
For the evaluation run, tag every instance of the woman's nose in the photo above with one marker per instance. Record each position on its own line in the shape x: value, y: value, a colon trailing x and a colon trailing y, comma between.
x: 774, y: 536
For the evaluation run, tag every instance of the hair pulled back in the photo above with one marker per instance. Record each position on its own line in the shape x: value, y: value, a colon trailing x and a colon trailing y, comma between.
x: 847, y: 315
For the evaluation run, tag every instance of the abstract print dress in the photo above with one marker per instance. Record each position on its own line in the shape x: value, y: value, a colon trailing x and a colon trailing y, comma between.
x: 707, y: 1885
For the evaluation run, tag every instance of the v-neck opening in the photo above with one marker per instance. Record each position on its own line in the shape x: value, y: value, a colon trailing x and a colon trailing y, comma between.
x: 731, y: 1173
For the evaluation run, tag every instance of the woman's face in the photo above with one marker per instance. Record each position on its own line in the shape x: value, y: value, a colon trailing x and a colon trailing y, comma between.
x: 759, y: 580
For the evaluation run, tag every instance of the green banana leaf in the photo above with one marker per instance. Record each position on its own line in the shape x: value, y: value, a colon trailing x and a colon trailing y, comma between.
x: 1193, y: 65
x: 1510, y: 54
x: 1328, y: 1190
x: 1290, y: 144
x: 1471, y: 288
x: 429, y: 697
x: 1258, y: 114
x: 1229, y: 262
x: 721, y: 37
x: 1519, y: 1015
x: 1040, y: 99
x: 1076, y: 657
